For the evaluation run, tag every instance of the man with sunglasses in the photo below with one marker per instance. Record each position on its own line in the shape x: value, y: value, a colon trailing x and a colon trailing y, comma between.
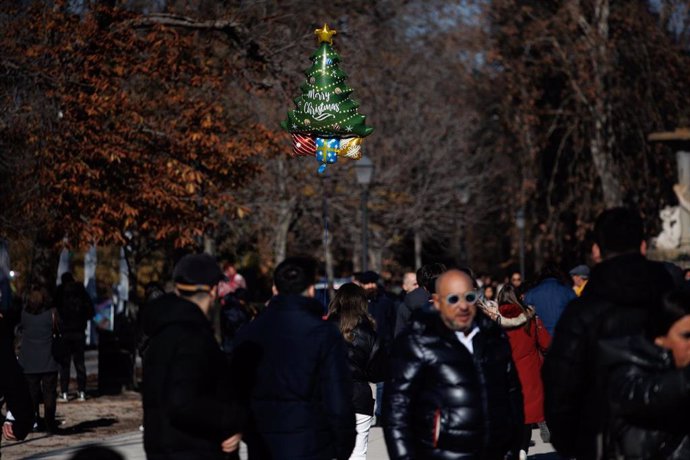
x: 455, y: 392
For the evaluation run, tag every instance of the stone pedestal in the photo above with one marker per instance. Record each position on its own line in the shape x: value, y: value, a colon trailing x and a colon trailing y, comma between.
x: 678, y: 140
x: 683, y: 159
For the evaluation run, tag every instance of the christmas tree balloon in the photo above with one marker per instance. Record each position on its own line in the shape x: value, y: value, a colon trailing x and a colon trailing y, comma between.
x: 326, y: 123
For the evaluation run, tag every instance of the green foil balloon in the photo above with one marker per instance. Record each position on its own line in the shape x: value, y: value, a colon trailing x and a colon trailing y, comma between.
x: 325, y: 108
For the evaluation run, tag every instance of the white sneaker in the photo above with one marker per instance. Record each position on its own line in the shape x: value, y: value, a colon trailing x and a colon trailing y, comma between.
x: 82, y: 396
x: 544, y: 432
x: 63, y: 398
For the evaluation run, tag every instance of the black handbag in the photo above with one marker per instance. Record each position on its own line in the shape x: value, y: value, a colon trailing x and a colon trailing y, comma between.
x: 58, y: 347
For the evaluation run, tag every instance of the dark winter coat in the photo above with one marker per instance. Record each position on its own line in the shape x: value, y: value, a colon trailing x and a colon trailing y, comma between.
x: 75, y: 308
x: 549, y: 298
x: 417, y: 298
x: 444, y: 402
x: 368, y: 363
x: 382, y: 309
x: 621, y: 292
x: 35, y: 355
x: 233, y: 316
x: 13, y: 385
x: 188, y: 410
x: 529, y: 344
x: 649, y: 401
x: 294, y: 376
x: 5, y: 295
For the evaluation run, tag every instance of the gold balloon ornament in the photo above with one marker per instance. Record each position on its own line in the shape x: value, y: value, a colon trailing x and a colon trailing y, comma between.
x: 351, y: 148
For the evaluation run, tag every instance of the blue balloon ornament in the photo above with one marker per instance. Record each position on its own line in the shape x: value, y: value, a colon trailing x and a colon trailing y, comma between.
x: 326, y: 152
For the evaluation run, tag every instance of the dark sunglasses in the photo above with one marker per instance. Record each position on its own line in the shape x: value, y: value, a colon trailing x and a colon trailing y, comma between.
x: 469, y: 297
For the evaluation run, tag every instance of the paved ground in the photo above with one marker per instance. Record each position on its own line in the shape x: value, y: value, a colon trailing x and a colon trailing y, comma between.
x: 130, y: 446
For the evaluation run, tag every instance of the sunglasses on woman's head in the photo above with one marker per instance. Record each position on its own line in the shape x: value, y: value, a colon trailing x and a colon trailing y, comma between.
x: 469, y: 297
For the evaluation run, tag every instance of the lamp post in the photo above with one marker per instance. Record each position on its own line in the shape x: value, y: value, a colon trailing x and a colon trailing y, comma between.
x: 520, y: 223
x: 463, y: 199
x: 364, y: 169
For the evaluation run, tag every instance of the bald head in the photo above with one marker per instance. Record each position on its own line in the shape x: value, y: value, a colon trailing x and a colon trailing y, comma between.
x: 451, y: 275
x: 451, y: 300
x: 409, y: 282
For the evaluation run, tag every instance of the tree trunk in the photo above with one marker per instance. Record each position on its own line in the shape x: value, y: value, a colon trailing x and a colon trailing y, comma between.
x: 330, y: 275
x: 209, y: 245
x: 285, y: 206
x: 282, y: 228
x: 603, y: 139
x: 376, y: 259
x: 417, y: 250
x: 356, y: 252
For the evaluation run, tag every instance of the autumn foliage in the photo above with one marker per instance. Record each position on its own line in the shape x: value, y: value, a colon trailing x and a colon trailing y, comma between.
x: 162, y: 119
x: 129, y: 125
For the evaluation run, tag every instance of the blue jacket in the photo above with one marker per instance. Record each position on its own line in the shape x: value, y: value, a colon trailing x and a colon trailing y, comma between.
x: 549, y: 298
x: 293, y: 373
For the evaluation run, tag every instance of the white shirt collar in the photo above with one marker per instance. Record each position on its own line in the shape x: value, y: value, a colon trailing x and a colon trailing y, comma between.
x: 466, y: 339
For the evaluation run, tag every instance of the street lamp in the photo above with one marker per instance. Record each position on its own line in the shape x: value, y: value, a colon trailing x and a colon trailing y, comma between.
x: 364, y: 169
x: 463, y: 199
x: 520, y: 223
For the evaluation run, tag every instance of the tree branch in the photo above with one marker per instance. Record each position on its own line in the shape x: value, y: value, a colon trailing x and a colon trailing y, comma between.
x: 228, y: 25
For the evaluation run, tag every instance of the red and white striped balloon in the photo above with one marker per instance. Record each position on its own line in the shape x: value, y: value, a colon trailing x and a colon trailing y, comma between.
x: 303, y: 145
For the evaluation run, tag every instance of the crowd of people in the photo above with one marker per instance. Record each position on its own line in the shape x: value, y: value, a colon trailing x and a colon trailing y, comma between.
x: 463, y: 367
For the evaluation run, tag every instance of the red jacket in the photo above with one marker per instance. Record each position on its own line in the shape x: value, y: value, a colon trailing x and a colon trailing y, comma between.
x: 528, y: 346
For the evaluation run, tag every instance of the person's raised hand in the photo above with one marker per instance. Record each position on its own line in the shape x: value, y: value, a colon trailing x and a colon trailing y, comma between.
x: 7, y: 431
x: 232, y: 443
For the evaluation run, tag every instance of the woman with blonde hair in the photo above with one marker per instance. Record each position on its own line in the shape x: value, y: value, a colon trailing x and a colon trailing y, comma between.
x: 348, y: 310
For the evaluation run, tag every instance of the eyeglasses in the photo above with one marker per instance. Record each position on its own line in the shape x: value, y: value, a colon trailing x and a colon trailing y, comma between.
x: 469, y: 297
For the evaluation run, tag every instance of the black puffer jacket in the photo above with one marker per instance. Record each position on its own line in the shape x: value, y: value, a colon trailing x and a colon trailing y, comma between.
x: 444, y: 402
x: 188, y: 410
x: 620, y: 294
x: 368, y: 363
x: 649, y: 401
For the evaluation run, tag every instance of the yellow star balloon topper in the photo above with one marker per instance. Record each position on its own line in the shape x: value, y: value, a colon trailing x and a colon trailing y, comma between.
x: 325, y: 34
